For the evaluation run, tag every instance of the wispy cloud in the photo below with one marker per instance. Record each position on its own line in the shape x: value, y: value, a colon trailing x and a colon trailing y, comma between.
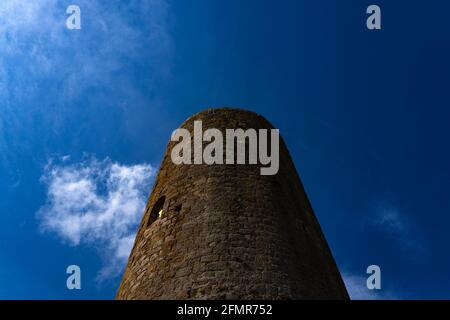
x: 395, y: 224
x: 50, y: 76
x: 96, y: 203
x: 35, y: 33
x: 357, y: 289
x: 389, y: 219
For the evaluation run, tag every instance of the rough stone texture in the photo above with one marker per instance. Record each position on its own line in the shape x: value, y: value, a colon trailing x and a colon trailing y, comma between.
x: 228, y: 232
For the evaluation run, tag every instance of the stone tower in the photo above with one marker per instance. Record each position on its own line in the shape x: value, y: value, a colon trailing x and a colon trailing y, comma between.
x: 228, y: 232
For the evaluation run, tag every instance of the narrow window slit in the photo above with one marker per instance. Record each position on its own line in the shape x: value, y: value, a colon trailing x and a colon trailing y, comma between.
x: 157, y: 211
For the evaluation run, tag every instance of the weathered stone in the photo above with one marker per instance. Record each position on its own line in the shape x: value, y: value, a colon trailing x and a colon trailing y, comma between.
x: 228, y: 232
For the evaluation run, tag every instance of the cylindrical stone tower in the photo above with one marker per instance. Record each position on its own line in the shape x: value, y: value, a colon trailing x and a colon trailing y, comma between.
x: 228, y: 232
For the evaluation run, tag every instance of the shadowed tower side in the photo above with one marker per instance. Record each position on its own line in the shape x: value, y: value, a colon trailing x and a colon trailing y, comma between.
x: 228, y: 232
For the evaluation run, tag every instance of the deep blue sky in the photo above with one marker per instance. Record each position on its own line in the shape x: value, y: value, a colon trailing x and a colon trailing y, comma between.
x: 365, y: 115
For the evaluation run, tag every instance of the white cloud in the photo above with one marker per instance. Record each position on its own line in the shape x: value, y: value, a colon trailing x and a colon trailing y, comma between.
x: 96, y: 203
x: 357, y: 289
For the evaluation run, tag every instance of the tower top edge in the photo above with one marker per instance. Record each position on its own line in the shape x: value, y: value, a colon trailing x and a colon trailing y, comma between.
x: 224, y: 111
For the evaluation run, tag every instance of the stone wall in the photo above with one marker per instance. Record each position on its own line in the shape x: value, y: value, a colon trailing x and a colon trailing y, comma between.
x: 227, y: 232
